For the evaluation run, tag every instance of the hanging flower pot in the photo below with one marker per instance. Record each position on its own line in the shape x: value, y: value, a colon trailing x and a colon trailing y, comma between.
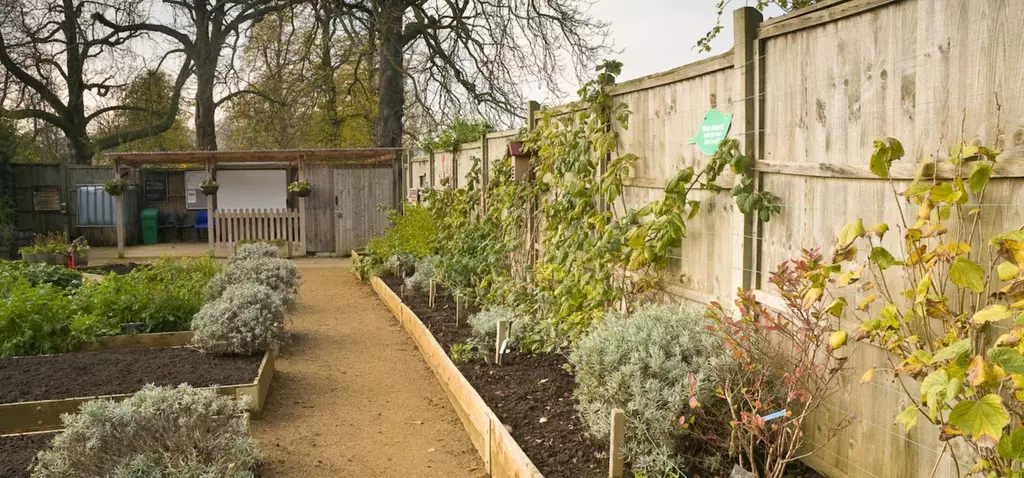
x: 301, y: 188
x: 516, y: 149
x: 116, y: 186
x: 209, y: 187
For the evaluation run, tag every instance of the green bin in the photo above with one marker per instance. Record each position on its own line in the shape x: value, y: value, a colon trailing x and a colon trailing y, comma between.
x: 150, y: 225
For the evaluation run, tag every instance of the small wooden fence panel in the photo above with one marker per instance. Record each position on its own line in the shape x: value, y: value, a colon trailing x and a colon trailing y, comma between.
x: 232, y: 226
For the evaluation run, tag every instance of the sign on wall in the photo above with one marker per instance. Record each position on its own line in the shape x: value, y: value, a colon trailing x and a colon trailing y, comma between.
x: 194, y: 198
x: 156, y: 186
x: 713, y: 130
x: 46, y: 198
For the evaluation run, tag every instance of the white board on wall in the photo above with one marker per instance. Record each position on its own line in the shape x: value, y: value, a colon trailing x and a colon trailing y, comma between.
x: 252, y: 189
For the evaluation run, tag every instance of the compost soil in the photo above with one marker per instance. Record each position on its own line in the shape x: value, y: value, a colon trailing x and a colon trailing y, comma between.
x: 17, y: 452
x: 109, y: 372
x: 530, y: 394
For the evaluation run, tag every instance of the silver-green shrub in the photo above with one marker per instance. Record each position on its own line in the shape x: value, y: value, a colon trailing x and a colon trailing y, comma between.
x: 426, y: 270
x: 485, y: 324
x: 280, y: 275
x: 255, y: 250
x: 642, y: 363
x: 246, y: 319
x: 179, y: 432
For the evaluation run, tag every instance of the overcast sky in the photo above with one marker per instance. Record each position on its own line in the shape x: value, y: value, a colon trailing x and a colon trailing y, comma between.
x: 658, y: 35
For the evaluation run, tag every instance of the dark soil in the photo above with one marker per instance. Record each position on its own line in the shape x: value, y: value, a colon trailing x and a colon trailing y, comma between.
x: 110, y: 372
x: 523, y: 391
x: 119, y: 269
x: 17, y: 452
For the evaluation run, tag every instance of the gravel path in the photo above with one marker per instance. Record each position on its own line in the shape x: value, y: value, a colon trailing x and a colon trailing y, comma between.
x: 352, y: 395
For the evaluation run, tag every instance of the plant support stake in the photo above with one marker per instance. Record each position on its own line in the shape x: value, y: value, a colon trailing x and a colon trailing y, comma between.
x: 500, y: 341
x: 617, y: 439
x: 433, y: 293
x: 458, y: 310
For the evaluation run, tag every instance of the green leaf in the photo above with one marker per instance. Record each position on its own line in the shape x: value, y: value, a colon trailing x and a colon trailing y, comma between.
x: 955, y: 350
x: 980, y: 176
x: 1007, y: 270
x: 983, y: 419
x: 1011, y: 446
x: 835, y: 309
x: 694, y: 209
x: 908, y: 417
x: 942, y: 192
x: 992, y: 313
x: 922, y: 288
x: 882, y: 257
x: 937, y: 389
x: 850, y: 233
x: 1010, y: 359
x: 965, y: 273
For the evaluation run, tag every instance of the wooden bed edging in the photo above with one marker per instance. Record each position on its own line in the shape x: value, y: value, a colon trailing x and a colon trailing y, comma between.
x: 44, y: 415
x: 501, y: 454
x: 141, y: 341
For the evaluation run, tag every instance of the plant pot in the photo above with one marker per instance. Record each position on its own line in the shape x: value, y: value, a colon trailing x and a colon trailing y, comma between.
x: 304, y: 193
x: 58, y: 259
x: 210, y: 190
x: 81, y: 258
x: 34, y: 257
x: 515, y: 148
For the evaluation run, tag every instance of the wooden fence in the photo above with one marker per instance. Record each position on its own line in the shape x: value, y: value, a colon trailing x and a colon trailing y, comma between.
x: 233, y: 226
x: 809, y: 93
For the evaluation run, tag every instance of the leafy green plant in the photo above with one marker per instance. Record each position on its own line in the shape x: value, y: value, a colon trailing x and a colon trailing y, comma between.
x: 412, y: 234
x: 247, y: 318
x: 948, y: 304
x: 158, y: 431
x: 425, y: 272
x: 462, y: 353
x: 43, y: 320
x: 658, y: 364
x: 485, y: 325
x: 453, y: 136
x: 301, y: 188
x: 38, y: 274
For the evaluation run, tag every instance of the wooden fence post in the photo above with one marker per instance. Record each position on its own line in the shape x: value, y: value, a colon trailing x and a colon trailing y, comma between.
x: 617, y: 439
x: 433, y: 293
x: 745, y: 21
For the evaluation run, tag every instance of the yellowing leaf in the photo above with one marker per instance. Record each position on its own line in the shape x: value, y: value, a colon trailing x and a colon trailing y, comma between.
x: 965, y: 273
x: 837, y: 339
x: 866, y: 301
x: 982, y: 419
x: 1007, y: 270
x: 812, y: 296
x: 835, y: 309
x: 952, y: 351
x: 922, y: 287
x: 878, y: 230
x: 908, y: 417
x: 850, y: 233
x: 992, y: 313
x: 868, y: 376
x: 977, y: 371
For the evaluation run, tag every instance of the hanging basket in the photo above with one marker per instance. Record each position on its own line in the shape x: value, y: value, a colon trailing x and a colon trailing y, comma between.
x: 209, y: 188
x: 115, y: 187
x: 301, y: 188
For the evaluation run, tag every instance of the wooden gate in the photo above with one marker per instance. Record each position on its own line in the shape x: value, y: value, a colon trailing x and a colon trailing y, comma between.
x: 232, y: 226
x: 362, y: 195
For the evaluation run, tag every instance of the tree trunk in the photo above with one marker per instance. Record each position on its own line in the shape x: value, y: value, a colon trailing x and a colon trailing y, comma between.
x: 325, y: 17
x: 206, y: 128
x: 81, y: 148
x: 391, y: 96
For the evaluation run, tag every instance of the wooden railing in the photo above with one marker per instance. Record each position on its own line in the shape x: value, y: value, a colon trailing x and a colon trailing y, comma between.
x: 232, y: 226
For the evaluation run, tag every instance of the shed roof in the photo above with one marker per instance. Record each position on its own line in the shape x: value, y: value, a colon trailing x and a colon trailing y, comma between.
x: 350, y: 155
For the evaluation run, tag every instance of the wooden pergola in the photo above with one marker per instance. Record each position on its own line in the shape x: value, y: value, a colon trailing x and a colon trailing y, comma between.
x: 296, y: 157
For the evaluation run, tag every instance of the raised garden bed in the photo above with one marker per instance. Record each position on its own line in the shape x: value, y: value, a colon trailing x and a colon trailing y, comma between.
x: 17, y: 452
x: 116, y: 268
x: 38, y: 389
x: 517, y: 395
x: 140, y: 341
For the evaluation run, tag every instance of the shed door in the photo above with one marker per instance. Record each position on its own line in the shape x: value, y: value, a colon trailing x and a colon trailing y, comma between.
x: 361, y: 198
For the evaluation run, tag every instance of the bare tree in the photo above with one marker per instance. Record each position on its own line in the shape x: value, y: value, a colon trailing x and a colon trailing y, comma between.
x: 203, y: 29
x: 65, y: 67
x: 460, y: 55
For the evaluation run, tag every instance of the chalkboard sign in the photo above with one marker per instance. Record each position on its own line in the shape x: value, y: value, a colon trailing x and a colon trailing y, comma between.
x: 156, y: 186
x: 46, y: 198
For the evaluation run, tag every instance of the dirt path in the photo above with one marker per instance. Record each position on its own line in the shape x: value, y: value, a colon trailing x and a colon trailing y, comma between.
x: 352, y: 395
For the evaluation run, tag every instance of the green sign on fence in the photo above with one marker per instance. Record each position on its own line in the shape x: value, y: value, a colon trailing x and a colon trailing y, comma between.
x: 713, y: 130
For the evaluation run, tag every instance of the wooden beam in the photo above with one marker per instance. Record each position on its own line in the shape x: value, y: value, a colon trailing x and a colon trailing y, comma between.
x: 821, y: 13
x: 682, y: 73
x: 617, y: 441
x: 119, y: 213
x: 745, y: 23
x: 210, y: 209
x: 1005, y: 168
x: 302, y: 205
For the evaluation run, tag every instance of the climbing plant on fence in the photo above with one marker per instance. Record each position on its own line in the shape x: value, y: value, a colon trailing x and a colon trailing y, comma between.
x: 947, y: 305
x: 596, y: 253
